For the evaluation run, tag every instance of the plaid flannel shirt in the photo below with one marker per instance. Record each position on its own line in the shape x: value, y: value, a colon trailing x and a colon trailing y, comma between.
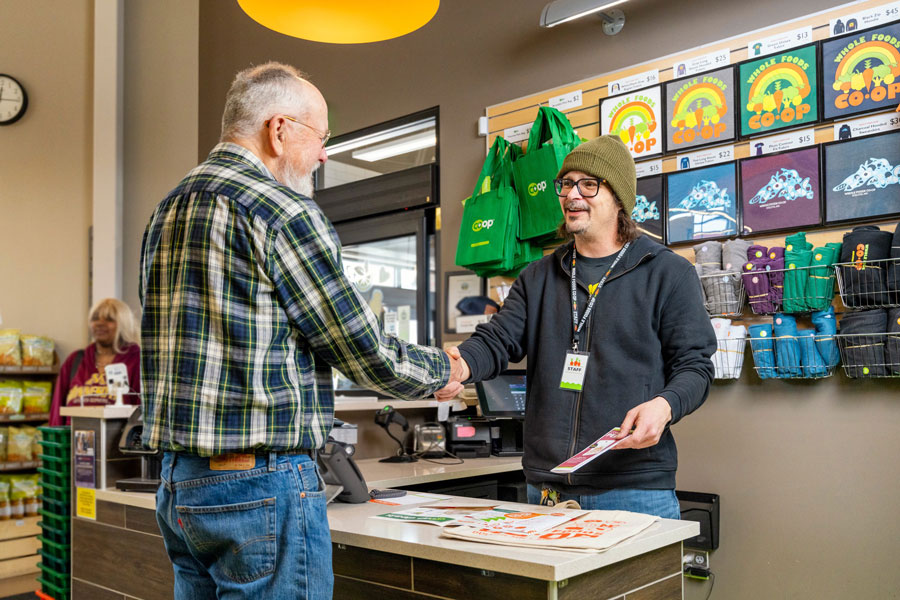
x: 245, y: 311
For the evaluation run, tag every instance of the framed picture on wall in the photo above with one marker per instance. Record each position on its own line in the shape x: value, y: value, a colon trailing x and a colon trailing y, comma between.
x: 701, y: 203
x: 779, y: 91
x: 861, y: 71
x: 459, y: 285
x: 780, y: 191
x: 862, y: 178
x: 635, y: 118
x: 700, y: 110
x: 648, y: 210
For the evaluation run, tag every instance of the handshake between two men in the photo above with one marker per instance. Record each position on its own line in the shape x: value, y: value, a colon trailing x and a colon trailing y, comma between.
x: 459, y: 372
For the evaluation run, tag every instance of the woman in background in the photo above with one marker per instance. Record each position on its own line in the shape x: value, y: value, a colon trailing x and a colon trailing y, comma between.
x: 83, y: 374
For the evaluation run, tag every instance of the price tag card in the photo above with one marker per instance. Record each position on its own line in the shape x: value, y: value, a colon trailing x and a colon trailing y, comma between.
x: 566, y: 101
x: 780, y: 143
x: 866, y: 126
x: 864, y: 19
x: 699, y: 64
x: 633, y: 82
x: 702, y: 158
x: 648, y: 168
x: 780, y: 41
x: 607, y: 442
x: 517, y: 134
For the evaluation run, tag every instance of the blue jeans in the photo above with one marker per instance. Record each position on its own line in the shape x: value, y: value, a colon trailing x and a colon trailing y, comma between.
x: 259, y: 533
x: 662, y: 503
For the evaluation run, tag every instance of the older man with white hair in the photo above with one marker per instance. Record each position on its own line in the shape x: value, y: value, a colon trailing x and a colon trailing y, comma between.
x: 246, y: 312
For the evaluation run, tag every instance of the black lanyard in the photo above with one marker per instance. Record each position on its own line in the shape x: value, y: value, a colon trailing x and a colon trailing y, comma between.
x: 576, y: 325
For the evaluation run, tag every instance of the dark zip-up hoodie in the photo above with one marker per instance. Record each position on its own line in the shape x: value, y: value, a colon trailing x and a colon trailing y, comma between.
x: 648, y: 335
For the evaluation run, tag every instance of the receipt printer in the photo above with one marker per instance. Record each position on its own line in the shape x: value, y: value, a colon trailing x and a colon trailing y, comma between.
x: 469, y: 438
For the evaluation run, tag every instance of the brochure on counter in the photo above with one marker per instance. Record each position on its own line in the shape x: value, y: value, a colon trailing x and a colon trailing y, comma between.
x: 498, y: 518
x: 595, y: 531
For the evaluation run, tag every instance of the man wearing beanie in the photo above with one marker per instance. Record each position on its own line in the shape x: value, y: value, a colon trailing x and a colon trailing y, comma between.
x: 631, y: 349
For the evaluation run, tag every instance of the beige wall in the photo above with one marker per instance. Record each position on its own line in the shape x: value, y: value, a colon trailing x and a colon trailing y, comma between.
x: 160, y: 135
x: 802, y: 516
x: 45, y: 170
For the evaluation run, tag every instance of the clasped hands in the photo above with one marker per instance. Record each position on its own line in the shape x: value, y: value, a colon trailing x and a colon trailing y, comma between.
x: 459, y: 372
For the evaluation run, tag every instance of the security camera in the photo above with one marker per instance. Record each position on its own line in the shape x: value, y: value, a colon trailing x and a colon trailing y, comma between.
x: 562, y: 11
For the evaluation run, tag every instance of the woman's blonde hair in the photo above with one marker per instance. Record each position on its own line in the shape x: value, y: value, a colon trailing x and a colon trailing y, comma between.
x: 126, y: 327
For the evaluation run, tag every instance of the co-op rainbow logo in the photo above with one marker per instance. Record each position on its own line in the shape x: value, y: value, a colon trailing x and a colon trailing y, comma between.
x: 482, y: 224
x: 710, y: 106
x: 868, y: 71
x: 777, y: 94
x: 634, y: 123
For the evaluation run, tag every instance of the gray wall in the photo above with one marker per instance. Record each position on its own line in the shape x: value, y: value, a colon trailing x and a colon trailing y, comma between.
x: 808, y: 472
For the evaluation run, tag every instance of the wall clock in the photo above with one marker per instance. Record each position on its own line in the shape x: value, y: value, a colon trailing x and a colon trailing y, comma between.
x: 13, y: 100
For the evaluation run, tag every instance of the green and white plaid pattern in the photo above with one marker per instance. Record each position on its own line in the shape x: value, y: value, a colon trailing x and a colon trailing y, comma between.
x: 245, y: 311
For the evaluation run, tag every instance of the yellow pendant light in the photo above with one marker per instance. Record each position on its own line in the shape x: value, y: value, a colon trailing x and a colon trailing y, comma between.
x: 341, y: 21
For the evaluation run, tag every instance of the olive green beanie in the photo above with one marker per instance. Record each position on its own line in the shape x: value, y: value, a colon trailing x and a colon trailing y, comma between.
x: 606, y: 157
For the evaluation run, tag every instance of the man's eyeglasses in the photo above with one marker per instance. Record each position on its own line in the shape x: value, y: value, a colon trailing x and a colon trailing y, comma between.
x: 324, y: 137
x: 587, y: 187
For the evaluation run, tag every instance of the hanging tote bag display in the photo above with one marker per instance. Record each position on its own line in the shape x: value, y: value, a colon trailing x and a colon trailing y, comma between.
x: 550, y: 140
x: 487, y: 235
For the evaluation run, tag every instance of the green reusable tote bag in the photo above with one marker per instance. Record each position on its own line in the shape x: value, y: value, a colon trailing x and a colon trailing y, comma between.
x: 486, y: 229
x: 550, y: 140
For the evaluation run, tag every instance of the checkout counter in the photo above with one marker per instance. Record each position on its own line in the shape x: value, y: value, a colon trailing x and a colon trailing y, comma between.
x: 119, y: 552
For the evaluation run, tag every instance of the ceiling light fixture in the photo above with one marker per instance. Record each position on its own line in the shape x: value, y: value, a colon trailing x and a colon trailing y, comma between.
x: 563, y: 11
x: 426, y: 139
x: 341, y: 21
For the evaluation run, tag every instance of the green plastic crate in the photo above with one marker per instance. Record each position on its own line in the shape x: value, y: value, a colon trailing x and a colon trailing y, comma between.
x: 59, y: 536
x: 60, y: 522
x: 60, y: 508
x: 56, y: 435
x: 52, y: 477
x: 55, y: 492
x: 56, y: 450
x: 60, y: 464
x: 55, y: 592
x: 50, y: 575
x: 60, y: 551
x: 60, y: 565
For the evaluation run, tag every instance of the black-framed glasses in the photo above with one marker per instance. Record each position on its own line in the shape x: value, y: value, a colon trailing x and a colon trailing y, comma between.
x: 588, y: 187
x: 323, y: 136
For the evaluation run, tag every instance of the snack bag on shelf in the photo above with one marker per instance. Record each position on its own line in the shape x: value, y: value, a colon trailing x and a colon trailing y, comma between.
x: 4, y: 436
x: 10, y: 354
x: 10, y: 397
x: 5, y: 512
x: 37, y: 350
x: 22, y: 488
x: 31, y: 486
x: 19, y: 445
x: 36, y: 449
x: 36, y: 396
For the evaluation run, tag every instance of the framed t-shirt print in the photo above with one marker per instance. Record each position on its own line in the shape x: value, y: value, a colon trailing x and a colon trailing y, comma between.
x: 780, y: 191
x: 701, y: 203
x: 862, y: 178
x: 861, y: 71
x: 778, y: 91
x: 648, y: 207
x: 635, y: 119
x: 700, y: 110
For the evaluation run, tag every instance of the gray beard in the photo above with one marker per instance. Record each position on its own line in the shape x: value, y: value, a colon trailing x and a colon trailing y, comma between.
x: 302, y: 183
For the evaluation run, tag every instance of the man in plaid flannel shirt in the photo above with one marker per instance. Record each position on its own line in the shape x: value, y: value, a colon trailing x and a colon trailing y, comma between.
x: 246, y: 310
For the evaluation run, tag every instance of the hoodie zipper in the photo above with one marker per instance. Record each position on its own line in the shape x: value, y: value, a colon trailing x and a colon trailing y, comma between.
x: 580, y: 396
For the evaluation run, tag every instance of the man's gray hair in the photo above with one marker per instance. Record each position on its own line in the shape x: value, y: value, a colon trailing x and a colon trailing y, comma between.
x: 258, y: 93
